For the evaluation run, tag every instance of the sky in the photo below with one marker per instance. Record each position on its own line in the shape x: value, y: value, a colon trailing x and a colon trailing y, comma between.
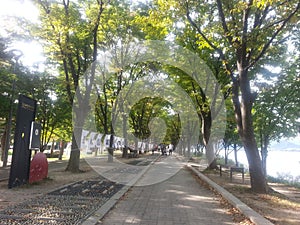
x: 32, y: 51
x: 23, y: 8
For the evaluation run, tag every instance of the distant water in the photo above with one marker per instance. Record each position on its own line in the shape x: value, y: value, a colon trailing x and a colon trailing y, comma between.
x: 279, y: 163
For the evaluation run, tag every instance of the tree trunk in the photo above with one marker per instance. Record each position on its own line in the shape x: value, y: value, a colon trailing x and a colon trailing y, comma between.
x: 246, y: 132
x: 235, y: 155
x: 52, y: 148
x: 209, y: 148
x: 264, y: 154
x: 5, y: 142
x: 226, y: 155
x: 135, y: 143
x: 110, y: 158
x: 125, y: 147
x: 210, y: 155
x: 73, y: 163
x: 61, y: 149
x: 3, y: 138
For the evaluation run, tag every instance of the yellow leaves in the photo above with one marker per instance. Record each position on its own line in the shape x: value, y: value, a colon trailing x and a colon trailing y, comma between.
x: 203, y: 44
x: 155, y: 26
x: 167, y: 5
x: 261, y: 3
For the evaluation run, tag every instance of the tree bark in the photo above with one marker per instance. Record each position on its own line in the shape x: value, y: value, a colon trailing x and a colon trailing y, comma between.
x: 226, y: 154
x: 73, y: 163
x: 61, y: 149
x: 3, y: 138
x: 246, y: 132
x: 264, y: 153
x: 110, y: 158
x: 209, y: 148
x: 235, y: 155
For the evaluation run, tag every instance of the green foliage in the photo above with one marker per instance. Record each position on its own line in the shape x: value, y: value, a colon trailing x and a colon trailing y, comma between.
x: 231, y: 136
x: 144, y: 111
x: 152, y: 22
x: 6, y: 76
x: 276, y: 112
x: 54, y: 112
x: 230, y: 36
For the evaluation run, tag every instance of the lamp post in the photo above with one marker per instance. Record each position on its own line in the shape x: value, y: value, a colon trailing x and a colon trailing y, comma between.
x: 8, y: 127
x: 9, y: 122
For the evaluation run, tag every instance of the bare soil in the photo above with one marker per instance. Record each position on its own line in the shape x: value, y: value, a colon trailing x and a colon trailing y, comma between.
x: 55, y: 180
x: 281, y: 206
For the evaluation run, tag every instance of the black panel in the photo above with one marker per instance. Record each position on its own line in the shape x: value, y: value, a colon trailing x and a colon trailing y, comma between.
x: 19, y: 171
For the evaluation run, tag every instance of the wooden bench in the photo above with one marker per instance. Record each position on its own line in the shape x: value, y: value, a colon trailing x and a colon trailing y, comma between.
x: 133, y: 153
x: 232, y: 169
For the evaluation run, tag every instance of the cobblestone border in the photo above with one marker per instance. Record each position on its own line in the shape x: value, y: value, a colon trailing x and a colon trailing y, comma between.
x: 254, y: 217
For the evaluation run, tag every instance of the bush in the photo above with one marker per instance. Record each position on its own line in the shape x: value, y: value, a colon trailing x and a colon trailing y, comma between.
x: 285, y: 178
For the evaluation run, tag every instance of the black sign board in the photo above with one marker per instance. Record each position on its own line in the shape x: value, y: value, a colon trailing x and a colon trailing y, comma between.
x: 35, y: 134
x: 19, y: 171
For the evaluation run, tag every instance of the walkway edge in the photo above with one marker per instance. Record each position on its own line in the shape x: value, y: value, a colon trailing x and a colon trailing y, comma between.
x: 107, y: 206
x: 255, y: 217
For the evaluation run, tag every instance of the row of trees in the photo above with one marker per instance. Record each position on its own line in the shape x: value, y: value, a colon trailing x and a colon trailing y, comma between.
x: 242, y: 42
x: 46, y: 89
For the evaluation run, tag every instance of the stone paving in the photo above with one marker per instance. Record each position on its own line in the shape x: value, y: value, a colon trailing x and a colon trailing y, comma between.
x: 76, y: 202
x: 178, y: 199
x: 71, y: 204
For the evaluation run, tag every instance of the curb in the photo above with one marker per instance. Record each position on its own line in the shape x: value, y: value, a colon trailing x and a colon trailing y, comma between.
x: 100, y: 213
x: 254, y: 217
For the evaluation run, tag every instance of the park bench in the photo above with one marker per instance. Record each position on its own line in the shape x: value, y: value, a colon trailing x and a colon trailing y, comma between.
x: 232, y: 169
x: 132, y: 152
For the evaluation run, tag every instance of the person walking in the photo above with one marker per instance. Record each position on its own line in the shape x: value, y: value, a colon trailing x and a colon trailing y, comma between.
x: 170, y: 149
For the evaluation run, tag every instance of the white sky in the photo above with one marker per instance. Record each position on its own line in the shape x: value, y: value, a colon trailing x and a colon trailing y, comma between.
x: 23, y: 8
x: 32, y: 51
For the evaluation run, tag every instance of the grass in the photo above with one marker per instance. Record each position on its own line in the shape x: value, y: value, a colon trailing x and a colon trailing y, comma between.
x: 285, y: 179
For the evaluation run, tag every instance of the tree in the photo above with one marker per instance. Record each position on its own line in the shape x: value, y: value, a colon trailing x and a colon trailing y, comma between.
x: 166, y: 15
x: 231, y: 138
x: 243, y: 33
x: 71, y: 31
x: 276, y: 112
x: 15, y: 78
x: 7, y: 76
x: 143, y: 112
x: 54, y: 112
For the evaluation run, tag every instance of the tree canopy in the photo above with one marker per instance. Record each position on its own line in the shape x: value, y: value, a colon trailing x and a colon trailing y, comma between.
x: 243, y: 43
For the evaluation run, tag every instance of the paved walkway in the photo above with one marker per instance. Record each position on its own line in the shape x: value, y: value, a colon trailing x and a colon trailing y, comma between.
x: 179, y: 199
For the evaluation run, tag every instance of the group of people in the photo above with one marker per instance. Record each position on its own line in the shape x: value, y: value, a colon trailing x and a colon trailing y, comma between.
x: 166, y: 148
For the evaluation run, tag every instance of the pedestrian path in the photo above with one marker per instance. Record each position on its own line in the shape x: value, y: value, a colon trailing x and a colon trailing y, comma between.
x: 74, y: 203
x: 179, y: 199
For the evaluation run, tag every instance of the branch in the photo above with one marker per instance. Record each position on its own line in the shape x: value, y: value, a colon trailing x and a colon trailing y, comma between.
x: 275, y: 34
x: 223, y: 21
x: 219, y: 51
x: 200, y: 31
x: 244, y: 40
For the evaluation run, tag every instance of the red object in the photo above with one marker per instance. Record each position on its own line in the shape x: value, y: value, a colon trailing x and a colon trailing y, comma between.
x: 38, y: 168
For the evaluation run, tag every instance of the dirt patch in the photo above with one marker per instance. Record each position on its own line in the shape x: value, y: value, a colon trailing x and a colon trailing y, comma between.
x: 56, y: 179
x: 281, y: 206
x: 234, y: 212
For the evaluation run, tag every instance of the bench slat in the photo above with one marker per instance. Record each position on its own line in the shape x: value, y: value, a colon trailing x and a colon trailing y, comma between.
x: 232, y: 169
